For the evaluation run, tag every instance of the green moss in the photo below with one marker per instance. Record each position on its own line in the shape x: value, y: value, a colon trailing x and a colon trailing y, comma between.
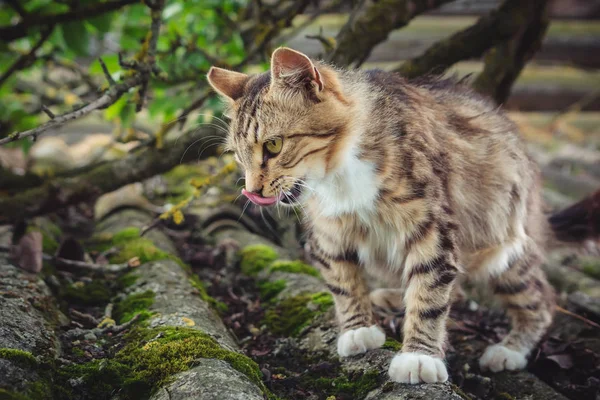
x: 128, y: 279
x: 178, y: 180
x: 40, y: 389
x: 6, y: 395
x: 355, y: 386
x: 392, y: 344
x: 296, y: 267
x: 131, y: 245
x: 150, y: 359
x: 293, y: 314
x: 270, y: 290
x: 504, y: 396
x: 126, y: 235
x: 591, y: 267
x: 138, y: 303
x: 19, y: 357
x: 100, y: 379
x: 459, y: 392
x: 96, y: 292
x: 254, y: 259
x: 216, y: 304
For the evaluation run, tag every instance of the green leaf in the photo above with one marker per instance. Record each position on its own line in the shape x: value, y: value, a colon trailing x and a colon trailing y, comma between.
x: 113, y: 111
x: 76, y: 37
x: 112, y: 63
x: 102, y: 22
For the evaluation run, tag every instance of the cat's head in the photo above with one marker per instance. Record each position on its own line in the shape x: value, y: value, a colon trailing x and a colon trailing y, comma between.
x: 287, y: 124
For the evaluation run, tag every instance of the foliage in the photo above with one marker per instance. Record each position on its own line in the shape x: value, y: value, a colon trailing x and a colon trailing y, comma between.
x: 194, y: 34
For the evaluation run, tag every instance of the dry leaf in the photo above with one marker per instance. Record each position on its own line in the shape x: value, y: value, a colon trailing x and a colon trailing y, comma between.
x: 134, y: 262
x: 27, y: 253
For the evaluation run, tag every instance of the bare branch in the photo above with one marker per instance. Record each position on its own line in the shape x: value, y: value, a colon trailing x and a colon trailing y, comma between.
x: 27, y: 59
x: 504, y: 63
x: 62, y: 192
x: 109, y: 97
x: 471, y: 42
x: 109, y: 78
x: 10, y: 33
x: 370, y: 23
x: 48, y: 112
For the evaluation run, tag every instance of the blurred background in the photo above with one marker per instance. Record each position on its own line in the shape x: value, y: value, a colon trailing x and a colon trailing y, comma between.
x: 111, y: 160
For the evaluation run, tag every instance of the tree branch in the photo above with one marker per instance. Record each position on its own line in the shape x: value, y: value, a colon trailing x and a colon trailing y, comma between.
x: 109, y: 97
x: 10, y: 33
x: 27, y: 59
x: 471, y: 42
x: 504, y: 63
x: 62, y: 192
x: 370, y: 23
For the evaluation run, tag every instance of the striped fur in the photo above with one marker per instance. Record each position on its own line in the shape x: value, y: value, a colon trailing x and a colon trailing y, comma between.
x: 411, y: 184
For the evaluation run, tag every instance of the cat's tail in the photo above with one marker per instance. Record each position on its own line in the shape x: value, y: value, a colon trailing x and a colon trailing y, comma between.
x: 578, y: 225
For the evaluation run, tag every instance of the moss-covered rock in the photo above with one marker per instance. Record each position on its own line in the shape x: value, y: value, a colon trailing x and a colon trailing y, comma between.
x: 291, y: 315
x: 345, y: 385
x: 269, y: 290
x: 138, y: 303
x: 256, y: 258
x: 19, y: 357
x: 199, y: 286
x: 392, y: 344
x: 295, y: 267
x: 150, y: 359
x: 97, y: 292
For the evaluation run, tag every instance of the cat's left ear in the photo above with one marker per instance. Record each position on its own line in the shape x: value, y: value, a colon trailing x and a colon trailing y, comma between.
x: 295, y: 69
x: 227, y: 83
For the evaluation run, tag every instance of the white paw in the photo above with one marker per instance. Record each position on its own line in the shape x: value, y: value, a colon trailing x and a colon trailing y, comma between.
x: 357, y: 341
x: 415, y: 368
x: 497, y: 358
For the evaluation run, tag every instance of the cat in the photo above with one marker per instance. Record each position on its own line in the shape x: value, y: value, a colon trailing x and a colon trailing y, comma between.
x: 418, y: 184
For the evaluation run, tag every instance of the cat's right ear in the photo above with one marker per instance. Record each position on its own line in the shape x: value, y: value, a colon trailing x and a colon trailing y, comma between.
x: 229, y: 84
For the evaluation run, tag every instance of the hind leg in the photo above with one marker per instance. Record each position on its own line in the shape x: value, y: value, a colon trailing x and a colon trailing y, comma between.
x: 529, y: 301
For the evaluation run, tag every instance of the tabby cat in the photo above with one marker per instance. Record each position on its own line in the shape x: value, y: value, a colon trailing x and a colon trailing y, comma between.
x: 417, y: 184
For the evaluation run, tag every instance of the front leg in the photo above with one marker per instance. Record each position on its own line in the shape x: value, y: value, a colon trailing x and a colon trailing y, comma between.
x: 345, y: 281
x: 430, y: 273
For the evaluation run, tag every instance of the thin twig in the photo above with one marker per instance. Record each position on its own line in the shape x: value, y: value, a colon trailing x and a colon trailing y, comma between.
x: 48, y: 112
x: 579, y: 317
x: 87, y: 267
x: 84, y: 317
x: 11, y: 32
x: 27, y: 59
x: 107, y: 74
x: 108, y: 98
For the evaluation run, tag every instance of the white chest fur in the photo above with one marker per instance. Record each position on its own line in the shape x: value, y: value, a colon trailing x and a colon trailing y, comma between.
x: 353, y: 189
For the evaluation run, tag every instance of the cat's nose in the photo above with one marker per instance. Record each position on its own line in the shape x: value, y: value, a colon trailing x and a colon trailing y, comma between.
x: 258, y: 192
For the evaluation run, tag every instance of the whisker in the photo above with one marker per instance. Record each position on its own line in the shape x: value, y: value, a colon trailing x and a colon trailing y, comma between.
x: 244, y: 210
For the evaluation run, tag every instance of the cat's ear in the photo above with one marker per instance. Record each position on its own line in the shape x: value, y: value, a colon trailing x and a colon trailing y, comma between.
x: 295, y: 69
x: 227, y: 83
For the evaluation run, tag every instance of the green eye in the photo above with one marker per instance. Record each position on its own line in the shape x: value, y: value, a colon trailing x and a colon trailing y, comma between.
x: 274, y: 146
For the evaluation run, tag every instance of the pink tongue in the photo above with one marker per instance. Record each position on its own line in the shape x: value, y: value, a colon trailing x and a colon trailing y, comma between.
x: 259, y: 200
